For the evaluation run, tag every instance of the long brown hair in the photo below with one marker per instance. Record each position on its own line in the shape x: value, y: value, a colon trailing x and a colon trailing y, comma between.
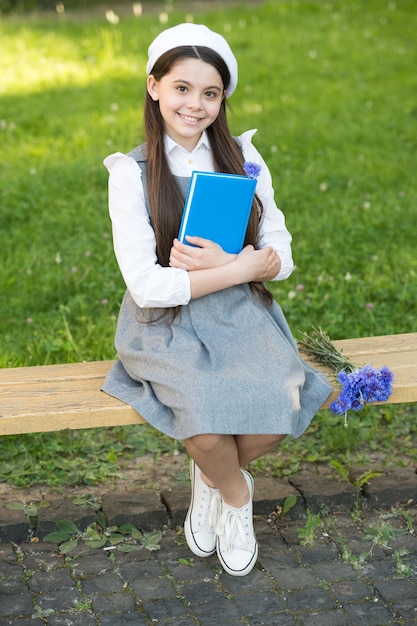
x: 165, y: 198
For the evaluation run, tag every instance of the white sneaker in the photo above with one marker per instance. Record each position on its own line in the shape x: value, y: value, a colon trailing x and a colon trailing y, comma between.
x: 202, y: 516
x: 237, y: 547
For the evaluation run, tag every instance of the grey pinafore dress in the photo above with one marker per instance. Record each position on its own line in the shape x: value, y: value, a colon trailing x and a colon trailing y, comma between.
x: 227, y: 364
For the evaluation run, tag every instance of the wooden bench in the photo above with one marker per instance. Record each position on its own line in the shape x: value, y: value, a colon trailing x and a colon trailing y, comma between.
x: 56, y: 397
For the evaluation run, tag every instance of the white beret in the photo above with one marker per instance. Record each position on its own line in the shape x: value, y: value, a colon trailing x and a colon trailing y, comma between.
x: 193, y: 35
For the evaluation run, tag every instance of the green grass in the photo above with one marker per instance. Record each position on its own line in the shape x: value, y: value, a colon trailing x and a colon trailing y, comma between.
x: 331, y: 87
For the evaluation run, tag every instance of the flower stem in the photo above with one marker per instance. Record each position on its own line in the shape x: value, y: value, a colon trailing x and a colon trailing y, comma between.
x: 319, y: 346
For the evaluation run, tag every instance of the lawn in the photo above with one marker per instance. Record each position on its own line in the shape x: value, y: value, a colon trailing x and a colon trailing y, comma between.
x: 331, y: 88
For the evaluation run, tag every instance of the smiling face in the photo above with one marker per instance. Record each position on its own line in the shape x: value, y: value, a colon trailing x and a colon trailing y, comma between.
x: 189, y: 96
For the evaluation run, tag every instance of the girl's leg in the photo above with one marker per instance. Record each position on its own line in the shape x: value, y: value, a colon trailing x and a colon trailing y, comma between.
x: 215, y: 463
x: 251, y: 447
x: 217, y: 456
x: 220, y: 457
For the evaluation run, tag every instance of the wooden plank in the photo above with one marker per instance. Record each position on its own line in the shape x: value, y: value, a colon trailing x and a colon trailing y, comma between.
x: 69, y: 398
x: 56, y: 397
x: 92, y: 370
x: 118, y: 415
x: 383, y: 344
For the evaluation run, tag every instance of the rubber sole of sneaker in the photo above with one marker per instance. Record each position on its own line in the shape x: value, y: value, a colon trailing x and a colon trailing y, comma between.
x: 240, y: 572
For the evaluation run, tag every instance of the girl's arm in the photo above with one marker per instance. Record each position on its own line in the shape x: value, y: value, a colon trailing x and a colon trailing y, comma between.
x: 211, y: 269
x: 248, y: 266
x: 149, y: 284
x: 272, y: 229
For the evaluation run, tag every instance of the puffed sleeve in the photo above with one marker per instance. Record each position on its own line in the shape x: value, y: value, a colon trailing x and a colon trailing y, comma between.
x: 149, y: 284
x: 272, y: 229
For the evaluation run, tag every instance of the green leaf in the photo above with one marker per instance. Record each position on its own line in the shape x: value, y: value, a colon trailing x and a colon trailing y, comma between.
x: 364, y: 479
x: 91, y: 534
x: 112, y: 456
x: 151, y: 541
x: 67, y: 526
x: 129, y: 547
x: 56, y: 537
x: 96, y: 543
x: 187, y: 562
x: 43, y: 504
x: 116, y: 538
x: 79, y: 500
x: 101, y: 519
x: 289, y: 503
x: 136, y: 533
x: 68, y: 546
x: 31, y: 510
x: 15, y: 506
x: 342, y: 471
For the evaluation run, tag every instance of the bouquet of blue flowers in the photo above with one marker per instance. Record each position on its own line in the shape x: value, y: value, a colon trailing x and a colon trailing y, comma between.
x: 360, y: 385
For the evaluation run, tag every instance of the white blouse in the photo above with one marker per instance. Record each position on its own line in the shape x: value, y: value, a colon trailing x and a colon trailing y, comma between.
x: 150, y: 284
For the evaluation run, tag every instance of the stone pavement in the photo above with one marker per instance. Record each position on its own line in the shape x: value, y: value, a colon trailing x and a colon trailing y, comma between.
x: 339, y: 556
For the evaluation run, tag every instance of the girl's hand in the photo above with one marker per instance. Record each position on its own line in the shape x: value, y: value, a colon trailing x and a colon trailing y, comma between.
x: 207, y: 255
x: 258, y: 265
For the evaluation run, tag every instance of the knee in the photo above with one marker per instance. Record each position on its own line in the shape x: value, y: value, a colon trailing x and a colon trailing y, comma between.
x: 274, y: 440
x: 203, y: 443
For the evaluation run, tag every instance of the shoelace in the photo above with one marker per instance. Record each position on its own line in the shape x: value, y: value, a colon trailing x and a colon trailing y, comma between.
x: 215, y: 509
x: 233, y: 528
x: 210, y: 509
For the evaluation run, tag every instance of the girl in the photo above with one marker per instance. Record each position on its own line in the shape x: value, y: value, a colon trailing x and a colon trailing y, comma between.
x: 205, y: 354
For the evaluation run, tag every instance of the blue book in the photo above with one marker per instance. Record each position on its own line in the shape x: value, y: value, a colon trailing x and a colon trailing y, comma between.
x: 218, y: 207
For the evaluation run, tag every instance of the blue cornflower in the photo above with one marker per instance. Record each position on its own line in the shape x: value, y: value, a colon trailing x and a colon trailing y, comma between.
x: 361, y: 386
x: 252, y: 170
